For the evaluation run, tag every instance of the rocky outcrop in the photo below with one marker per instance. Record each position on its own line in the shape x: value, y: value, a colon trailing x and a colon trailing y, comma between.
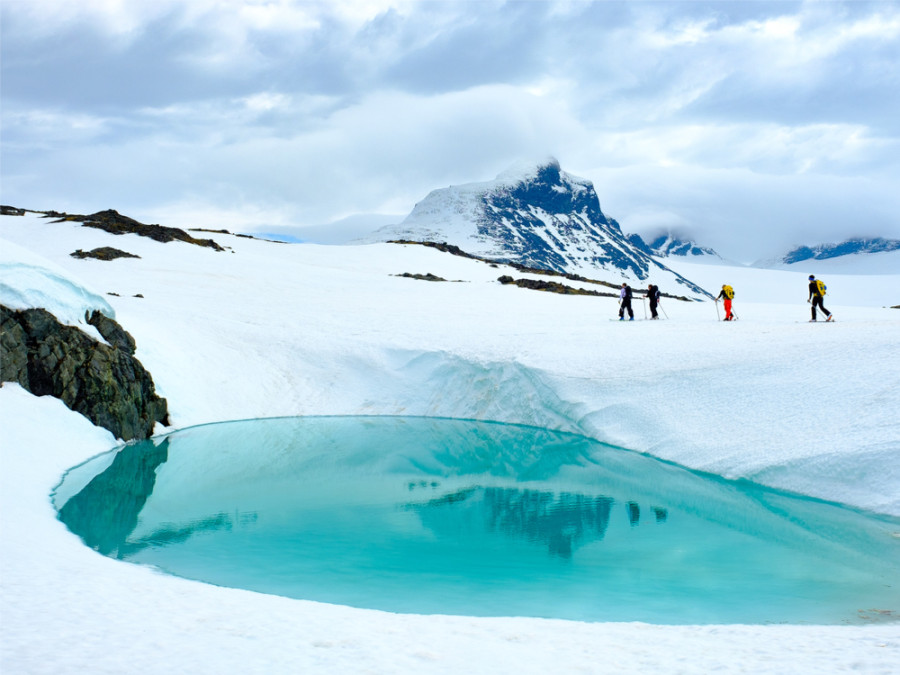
x: 103, y: 382
x: 103, y: 253
x: 551, y: 286
x: 115, y: 223
x: 421, y: 277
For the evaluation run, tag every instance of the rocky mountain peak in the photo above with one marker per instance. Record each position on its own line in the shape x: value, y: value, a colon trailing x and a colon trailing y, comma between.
x: 536, y: 215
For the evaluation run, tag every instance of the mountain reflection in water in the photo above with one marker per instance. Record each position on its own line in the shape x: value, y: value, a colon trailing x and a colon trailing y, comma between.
x: 105, y: 512
x: 561, y: 521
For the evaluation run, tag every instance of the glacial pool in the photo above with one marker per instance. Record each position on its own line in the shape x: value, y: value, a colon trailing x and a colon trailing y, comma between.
x: 440, y: 516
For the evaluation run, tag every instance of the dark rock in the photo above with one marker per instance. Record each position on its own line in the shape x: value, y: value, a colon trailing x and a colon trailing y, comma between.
x: 115, y: 223
x: 552, y: 287
x: 103, y: 253
x: 11, y: 211
x: 422, y: 277
x: 112, y: 332
x: 440, y: 246
x: 105, y: 383
x: 13, y: 352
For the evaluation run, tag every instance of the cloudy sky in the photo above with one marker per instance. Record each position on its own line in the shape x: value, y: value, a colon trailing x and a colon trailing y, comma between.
x: 752, y: 126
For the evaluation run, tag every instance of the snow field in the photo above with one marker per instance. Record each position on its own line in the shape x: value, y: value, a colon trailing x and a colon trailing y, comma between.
x: 267, y: 330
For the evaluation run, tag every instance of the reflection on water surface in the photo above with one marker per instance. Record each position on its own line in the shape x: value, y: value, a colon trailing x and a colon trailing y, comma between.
x: 447, y: 516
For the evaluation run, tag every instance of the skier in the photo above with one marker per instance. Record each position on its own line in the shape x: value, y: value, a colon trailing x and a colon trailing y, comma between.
x: 625, y: 303
x: 727, y: 294
x: 653, y: 295
x: 816, y: 293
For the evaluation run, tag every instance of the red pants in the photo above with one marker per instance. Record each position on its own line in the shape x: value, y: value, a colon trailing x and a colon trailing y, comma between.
x: 728, y: 315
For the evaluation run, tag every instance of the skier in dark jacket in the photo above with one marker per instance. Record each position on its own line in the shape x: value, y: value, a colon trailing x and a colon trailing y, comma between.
x: 625, y: 303
x: 653, y: 295
x: 815, y: 297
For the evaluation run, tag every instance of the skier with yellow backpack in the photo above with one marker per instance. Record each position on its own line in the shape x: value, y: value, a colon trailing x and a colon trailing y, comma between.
x: 727, y: 293
x: 816, y: 293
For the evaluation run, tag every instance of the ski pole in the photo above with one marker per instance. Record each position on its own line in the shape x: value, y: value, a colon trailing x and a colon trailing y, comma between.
x: 659, y: 304
x: 644, y: 303
x: 718, y: 318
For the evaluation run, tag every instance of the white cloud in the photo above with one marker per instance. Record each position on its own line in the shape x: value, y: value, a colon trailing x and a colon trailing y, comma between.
x: 44, y: 129
x: 769, y: 148
x: 119, y: 18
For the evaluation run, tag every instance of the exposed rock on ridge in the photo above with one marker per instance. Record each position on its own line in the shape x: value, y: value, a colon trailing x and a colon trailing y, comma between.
x: 115, y: 223
x: 551, y: 287
x: 103, y: 253
x: 105, y: 383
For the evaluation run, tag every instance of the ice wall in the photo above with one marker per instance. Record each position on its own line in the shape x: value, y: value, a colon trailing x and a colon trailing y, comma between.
x: 29, y: 281
x: 739, y: 421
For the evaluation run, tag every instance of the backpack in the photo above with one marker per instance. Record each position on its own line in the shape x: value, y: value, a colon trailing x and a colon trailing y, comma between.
x: 628, y: 295
x: 820, y: 286
x: 728, y: 291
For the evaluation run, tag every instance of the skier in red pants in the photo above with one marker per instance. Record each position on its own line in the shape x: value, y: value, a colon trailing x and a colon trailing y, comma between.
x: 727, y: 293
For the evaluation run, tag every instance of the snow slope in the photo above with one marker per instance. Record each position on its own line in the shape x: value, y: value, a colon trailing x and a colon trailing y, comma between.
x: 268, y: 329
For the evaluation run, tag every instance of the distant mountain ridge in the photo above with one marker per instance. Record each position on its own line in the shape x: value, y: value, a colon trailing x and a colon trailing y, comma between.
x: 535, y: 215
x: 848, y: 247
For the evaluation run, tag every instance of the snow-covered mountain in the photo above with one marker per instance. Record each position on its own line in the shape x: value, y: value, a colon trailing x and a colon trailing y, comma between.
x: 668, y: 244
x: 857, y: 255
x: 849, y: 247
x: 539, y: 216
x: 854, y: 246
